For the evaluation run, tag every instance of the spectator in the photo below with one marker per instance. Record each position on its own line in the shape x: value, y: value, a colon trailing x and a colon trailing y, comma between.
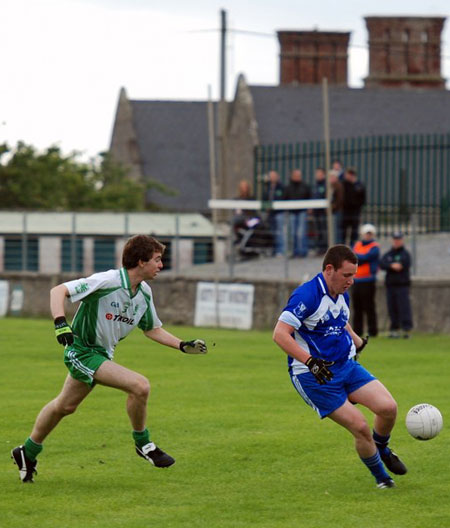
x: 241, y: 216
x: 274, y: 191
x: 363, y: 292
x: 354, y: 199
x: 297, y: 189
x: 337, y: 204
x: 320, y: 215
x: 338, y: 169
x: 397, y: 263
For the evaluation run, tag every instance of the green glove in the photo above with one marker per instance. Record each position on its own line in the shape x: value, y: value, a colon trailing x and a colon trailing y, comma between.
x: 63, y: 332
x: 197, y: 346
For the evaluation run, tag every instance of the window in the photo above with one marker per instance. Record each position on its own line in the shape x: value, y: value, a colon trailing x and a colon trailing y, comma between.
x: 167, y: 257
x: 104, y: 254
x: 203, y: 252
x: 67, y: 256
x: 21, y: 254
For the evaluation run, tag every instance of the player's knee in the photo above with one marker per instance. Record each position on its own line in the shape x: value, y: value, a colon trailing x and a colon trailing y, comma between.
x: 361, y: 429
x: 389, y: 409
x: 65, y: 408
x: 141, y: 388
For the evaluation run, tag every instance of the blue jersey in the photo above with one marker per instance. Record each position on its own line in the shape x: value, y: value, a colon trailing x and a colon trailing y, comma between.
x: 319, y: 321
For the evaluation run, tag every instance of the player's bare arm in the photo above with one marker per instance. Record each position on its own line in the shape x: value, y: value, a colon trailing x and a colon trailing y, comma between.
x: 196, y: 346
x: 63, y: 331
x: 355, y: 337
x: 282, y: 335
x: 163, y: 337
x: 57, y: 297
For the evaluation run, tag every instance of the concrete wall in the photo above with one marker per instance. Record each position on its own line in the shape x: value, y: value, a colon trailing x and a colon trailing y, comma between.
x: 175, y: 300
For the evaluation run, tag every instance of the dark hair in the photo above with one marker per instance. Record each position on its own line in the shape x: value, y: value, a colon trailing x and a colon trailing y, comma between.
x: 140, y: 247
x: 352, y: 170
x: 336, y: 256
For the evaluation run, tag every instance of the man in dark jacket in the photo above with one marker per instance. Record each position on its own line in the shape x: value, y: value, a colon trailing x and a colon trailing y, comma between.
x: 354, y: 199
x: 297, y: 189
x: 273, y: 191
x: 397, y: 263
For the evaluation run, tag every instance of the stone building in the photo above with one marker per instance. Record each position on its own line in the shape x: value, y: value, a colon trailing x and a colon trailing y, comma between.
x: 84, y: 243
x: 404, y: 93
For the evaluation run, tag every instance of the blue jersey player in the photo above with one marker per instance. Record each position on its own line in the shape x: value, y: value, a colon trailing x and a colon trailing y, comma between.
x: 314, y: 331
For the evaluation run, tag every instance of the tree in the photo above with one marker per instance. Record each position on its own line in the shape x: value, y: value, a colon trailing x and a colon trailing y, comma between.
x: 51, y: 181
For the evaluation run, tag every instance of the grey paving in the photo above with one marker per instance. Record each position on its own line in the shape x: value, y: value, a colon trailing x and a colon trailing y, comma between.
x: 431, y: 252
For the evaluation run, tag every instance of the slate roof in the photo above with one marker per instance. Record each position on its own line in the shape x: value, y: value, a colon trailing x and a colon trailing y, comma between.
x: 173, y: 135
x: 288, y: 114
x: 173, y: 143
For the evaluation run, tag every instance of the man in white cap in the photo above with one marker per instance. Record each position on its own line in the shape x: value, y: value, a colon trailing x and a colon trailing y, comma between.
x: 363, y: 291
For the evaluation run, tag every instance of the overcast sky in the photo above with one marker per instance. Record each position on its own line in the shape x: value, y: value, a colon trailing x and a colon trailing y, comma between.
x: 64, y: 61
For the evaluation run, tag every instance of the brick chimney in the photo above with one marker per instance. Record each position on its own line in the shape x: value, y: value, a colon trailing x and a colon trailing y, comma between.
x: 404, y: 52
x: 308, y: 56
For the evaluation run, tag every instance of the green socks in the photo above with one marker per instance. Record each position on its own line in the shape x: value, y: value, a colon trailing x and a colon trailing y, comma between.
x: 32, y: 449
x: 141, y: 437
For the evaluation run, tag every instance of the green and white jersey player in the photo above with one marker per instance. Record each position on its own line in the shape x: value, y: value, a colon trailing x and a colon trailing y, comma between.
x: 109, y: 311
x: 112, y: 304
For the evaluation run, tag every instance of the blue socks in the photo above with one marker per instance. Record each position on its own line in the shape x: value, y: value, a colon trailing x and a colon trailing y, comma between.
x: 374, y: 463
x: 376, y: 467
x: 381, y: 442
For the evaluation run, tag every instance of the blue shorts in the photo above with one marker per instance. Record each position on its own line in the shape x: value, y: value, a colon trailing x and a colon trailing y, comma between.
x: 324, y: 399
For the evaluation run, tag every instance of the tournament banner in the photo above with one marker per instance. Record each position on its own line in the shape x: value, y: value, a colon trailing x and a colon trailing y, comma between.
x: 224, y: 305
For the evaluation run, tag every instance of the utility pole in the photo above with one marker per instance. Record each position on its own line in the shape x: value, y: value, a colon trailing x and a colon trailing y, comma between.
x: 326, y: 130
x: 222, y: 110
x: 223, y: 46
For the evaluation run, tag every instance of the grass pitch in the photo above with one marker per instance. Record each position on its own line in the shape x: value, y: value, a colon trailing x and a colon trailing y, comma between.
x: 249, y: 452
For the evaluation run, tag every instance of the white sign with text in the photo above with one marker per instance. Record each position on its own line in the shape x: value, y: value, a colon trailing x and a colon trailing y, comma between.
x: 224, y: 305
x: 4, y: 296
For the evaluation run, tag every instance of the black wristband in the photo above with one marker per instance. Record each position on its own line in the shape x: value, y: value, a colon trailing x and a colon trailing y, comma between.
x: 60, y: 320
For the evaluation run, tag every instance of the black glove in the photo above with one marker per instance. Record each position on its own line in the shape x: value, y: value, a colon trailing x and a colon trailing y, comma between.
x: 319, y: 369
x: 197, y: 346
x: 365, y: 340
x: 63, y: 332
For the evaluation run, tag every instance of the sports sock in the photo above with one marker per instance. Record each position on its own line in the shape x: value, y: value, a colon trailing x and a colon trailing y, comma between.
x: 32, y: 449
x: 381, y: 442
x: 376, y: 467
x: 141, y: 437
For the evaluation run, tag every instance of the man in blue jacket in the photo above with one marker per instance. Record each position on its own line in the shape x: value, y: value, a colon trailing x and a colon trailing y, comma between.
x: 397, y: 263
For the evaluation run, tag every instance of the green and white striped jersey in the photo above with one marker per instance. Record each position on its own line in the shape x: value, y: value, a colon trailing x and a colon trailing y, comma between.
x: 109, y: 311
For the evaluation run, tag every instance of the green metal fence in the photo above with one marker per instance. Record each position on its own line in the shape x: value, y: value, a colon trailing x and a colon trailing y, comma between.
x: 407, y: 177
